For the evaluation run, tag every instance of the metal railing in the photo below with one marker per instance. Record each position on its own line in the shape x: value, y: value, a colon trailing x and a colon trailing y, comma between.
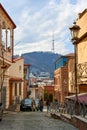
x: 69, y: 108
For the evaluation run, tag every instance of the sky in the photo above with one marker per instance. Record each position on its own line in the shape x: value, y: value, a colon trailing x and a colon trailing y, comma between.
x: 40, y: 22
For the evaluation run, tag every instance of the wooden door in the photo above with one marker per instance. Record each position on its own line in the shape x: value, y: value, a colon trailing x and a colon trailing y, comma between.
x: 10, y: 94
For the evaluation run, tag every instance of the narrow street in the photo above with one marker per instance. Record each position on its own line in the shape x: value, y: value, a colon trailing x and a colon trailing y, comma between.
x: 32, y: 121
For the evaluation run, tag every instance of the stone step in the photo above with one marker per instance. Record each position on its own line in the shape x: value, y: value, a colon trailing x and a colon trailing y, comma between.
x: 12, y: 108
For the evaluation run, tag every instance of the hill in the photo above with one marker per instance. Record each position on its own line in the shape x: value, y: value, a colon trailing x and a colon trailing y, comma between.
x: 41, y: 61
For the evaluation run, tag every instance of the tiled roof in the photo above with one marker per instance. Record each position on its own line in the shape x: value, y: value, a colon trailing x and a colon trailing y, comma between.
x: 16, y: 79
x: 18, y: 58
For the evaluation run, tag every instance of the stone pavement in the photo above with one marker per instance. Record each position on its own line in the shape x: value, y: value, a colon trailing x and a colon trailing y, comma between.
x: 32, y: 121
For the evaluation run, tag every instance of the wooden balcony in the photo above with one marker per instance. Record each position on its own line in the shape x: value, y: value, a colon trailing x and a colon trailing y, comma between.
x: 5, y: 54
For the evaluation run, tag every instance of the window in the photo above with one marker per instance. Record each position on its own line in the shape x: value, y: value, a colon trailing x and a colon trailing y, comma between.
x: 19, y: 88
x: 20, y: 68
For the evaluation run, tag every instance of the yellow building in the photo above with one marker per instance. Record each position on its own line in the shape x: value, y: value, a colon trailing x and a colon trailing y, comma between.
x: 7, y: 27
x: 82, y: 52
x: 16, y: 81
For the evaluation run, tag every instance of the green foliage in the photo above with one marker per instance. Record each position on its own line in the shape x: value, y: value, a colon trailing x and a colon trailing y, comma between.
x: 48, y: 96
x: 45, y: 96
x: 51, y: 97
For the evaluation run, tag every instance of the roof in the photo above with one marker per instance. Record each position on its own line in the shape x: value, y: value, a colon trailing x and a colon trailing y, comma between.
x: 65, y: 56
x: 82, y: 98
x: 69, y: 55
x: 81, y: 14
x: 15, y: 79
x: 18, y: 58
x: 7, y: 15
x: 27, y: 65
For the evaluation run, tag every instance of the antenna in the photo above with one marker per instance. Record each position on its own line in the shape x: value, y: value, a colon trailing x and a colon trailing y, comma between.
x: 17, y: 43
x: 52, y: 41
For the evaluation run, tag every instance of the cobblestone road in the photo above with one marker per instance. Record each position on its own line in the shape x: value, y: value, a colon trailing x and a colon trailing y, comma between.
x: 32, y: 121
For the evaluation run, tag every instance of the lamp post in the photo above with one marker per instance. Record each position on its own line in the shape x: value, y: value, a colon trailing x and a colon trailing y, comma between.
x: 74, y: 33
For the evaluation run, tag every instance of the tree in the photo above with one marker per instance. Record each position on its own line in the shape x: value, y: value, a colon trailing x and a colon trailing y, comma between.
x: 45, y: 96
x: 48, y: 96
x: 51, y: 97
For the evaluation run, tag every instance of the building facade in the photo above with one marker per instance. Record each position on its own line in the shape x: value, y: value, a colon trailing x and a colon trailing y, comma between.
x: 16, y: 81
x: 26, y: 89
x: 82, y: 52
x: 71, y: 74
x: 64, y: 77
x: 49, y: 92
x: 7, y: 27
x: 61, y: 79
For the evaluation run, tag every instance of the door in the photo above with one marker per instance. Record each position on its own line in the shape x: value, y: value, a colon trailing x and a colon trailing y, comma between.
x: 10, y: 94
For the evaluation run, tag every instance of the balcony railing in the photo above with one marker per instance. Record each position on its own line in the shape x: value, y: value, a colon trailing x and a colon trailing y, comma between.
x: 5, y: 53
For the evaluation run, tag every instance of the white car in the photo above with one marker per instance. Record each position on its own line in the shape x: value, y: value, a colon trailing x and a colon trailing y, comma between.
x: 26, y: 104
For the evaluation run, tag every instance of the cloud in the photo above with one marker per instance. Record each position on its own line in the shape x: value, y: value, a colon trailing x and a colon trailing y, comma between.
x: 37, y: 21
x: 29, y: 47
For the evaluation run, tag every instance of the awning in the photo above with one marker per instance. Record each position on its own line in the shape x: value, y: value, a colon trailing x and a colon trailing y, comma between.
x: 82, y: 98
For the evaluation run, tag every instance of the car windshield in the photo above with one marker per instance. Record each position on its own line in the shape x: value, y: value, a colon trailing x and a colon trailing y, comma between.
x: 28, y: 101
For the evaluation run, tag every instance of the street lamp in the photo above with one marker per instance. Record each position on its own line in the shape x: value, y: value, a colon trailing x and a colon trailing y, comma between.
x: 74, y: 33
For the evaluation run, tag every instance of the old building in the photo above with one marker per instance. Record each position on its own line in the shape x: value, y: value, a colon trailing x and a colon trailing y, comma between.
x: 82, y: 52
x: 16, y: 81
x: 7, y: 27
x: 71, y: 74
x: 26, y: 90
x: 61, y: 78
x: 64, y: 77
x: 49, y: 92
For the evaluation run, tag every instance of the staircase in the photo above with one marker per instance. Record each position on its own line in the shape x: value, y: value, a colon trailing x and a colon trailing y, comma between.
x: 15, y: 107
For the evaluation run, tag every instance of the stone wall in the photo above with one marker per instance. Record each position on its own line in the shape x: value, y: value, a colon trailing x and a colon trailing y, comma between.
x: 79, y: 122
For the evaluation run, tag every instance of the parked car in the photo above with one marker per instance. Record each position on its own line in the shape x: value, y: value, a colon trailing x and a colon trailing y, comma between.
x: 36, y: 104
x: 26, y: 104
x: 1, y: 111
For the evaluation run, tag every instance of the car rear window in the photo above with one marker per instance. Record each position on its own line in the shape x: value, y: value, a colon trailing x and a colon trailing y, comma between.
x: 28, y: 101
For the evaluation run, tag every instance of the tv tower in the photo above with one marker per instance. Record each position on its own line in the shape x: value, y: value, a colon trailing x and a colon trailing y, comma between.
x: 53, y: 41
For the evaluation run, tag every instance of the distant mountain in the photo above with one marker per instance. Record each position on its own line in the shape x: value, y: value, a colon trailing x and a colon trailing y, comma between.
x: 41, y: 61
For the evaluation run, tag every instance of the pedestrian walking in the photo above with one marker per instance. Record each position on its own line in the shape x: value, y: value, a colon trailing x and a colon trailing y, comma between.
x: 41, y: 104
x: 33, y: 104
x: 48, y: 105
